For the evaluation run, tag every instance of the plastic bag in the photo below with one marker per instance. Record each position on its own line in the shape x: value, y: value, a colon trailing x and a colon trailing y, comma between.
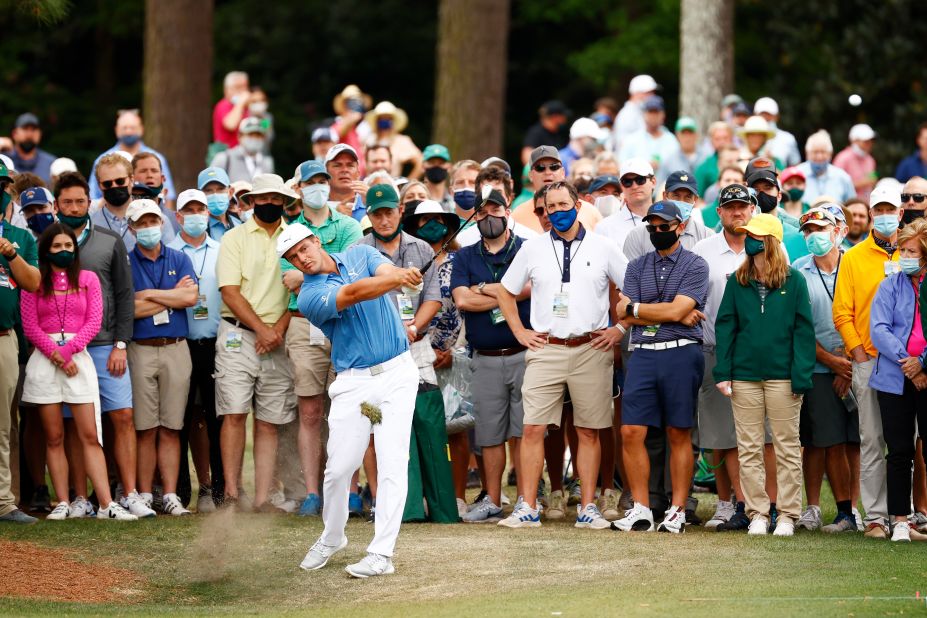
x: 455, y: 389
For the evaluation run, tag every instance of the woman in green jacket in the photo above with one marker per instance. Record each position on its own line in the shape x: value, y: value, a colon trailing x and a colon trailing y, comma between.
x: 766, y: 351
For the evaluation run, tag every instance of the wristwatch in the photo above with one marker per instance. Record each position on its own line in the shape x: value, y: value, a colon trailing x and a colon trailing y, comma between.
x: 120, y: 345
x: 629, y: 311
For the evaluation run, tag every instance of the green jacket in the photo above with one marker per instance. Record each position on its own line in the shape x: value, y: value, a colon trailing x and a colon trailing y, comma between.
x: 771, y: 340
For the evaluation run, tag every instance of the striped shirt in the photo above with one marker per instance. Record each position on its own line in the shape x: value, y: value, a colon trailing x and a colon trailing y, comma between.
x: 653, y: 278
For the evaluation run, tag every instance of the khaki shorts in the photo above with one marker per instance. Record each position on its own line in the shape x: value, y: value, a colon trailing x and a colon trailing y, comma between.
x: 310, y: 363
x: 587, y: 372
x: 160, y: 384
x: 243, y: 379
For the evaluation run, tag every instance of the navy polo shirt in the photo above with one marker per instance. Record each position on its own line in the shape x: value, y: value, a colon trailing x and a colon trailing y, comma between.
x: 473, y: 264
x: 162, y: 274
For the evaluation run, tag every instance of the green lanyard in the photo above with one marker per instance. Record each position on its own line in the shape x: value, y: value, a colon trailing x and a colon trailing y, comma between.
x: 494, y: 270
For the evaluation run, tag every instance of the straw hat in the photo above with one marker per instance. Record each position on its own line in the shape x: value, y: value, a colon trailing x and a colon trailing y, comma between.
x: 385, y: 108
x: 350, y: 92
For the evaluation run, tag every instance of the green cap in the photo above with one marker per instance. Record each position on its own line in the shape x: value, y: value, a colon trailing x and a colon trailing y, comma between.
x: 5, y: 173
x: 436, y: 151
x: 686, y: 123
x: 381, y: 196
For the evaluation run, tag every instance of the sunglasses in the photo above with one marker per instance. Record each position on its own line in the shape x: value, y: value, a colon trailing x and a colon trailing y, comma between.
x: 913, y: 197
x: 540, y: 167
x: 627, y: 183
x: 661, y: 227
x: 118, y: 182
x: 539, y: 211
x: 813, y: 216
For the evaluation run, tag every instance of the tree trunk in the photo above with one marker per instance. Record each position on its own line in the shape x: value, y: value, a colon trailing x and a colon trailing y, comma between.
x: 706, y: 64
x: 471, y: 71
x: 178, y: 84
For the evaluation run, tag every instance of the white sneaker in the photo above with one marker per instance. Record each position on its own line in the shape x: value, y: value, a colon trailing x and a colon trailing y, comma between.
x: 608, y: 504
x: 522, y: 517
x: 810, y: 518
x: 114, y: 511
x: 759, y: 526
x: 461, y: 508
x: 638, y: 519
x: 918, y: 521
x: 723, y: 513
x: 901, y: 532
x: 505, y: 500
x: 371, y: 566
x: 859, y: 519
x: 485, y: 512
x: 555, y: 510
x: 59, y: 513
x: 135, y: 504
x: 171, y: 505
x: 590, y: 517
x: 320, y: 553
x: 784, y: 528
x: 81, y: 508
x: 674, y: 522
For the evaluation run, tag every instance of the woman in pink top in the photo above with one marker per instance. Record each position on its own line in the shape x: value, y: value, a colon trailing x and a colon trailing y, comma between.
x: 60, y: 319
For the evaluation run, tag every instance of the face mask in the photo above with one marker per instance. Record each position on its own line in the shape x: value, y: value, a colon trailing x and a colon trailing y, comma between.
x: 116, y: 196
x: 818, y: 168
x: 388, y: 237
x: 5, y: 199
x: 607, y: 205
x: 252, y: 145
x: 562, y: 220
x: 767, y: 203
x: 886, y: 225
x: 819, y: 243
x: 73, y: 222
x: 316, y: 196
x: 148, y: 237
x: 911, y: 215
x: 753, y: 246
x: 157, y: 188
x: 62, y: 259
x: 130, y: 140
x: 663, y: 240
x: 27, y: 145
x: 217, y: 204
x: 465, y: 199
x: 910, y: 266
x: 858, y: 150
x: 257, y: 109
x: 195, y: 225
x: 384, y: 124
x: 246, y: 214
x: 435, y: 175
x: 290, y: 218
x: 432, y: 232
x: 38, y: 222
x: 268, y: 213
x: 685, y: 209
x: 492, y: 227
x: 795, y: 194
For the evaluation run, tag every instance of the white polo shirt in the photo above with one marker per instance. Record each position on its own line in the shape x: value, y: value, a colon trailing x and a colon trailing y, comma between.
x: 618, y: 225
x: 595, y: 264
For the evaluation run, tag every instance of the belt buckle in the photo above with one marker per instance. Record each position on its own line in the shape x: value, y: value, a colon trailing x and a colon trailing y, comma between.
x: 376, y: 370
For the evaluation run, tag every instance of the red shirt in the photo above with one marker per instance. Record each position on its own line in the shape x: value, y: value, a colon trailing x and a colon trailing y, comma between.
x: 219, y: 132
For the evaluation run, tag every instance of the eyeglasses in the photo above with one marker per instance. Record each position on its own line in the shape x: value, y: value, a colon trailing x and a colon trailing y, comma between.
x: 540, y: 167
x: 913, y: 197
x: 119, y: 182
x: 813, y: 216
x: 661, y: 227
x: 539, y: 211
x: 637, y: 180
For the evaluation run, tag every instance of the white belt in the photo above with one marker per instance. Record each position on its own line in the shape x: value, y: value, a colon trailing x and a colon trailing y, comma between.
x: 665, y: 345
x: 377, y: 369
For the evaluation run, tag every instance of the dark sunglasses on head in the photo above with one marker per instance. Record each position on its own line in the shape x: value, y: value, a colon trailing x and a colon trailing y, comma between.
x: 637, y: 180
x: 661, y: 227
x: 915, y: 197
x: 812, y: 216
x: 540, y: 167
x: 119, y: 182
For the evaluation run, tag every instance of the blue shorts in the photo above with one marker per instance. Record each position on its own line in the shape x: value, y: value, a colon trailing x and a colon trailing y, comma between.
x: 115, y: 393
x: 661, y: 387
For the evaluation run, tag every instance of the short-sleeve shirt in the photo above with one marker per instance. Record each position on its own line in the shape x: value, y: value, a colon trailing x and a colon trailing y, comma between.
x: 248, y: 258
x: 362, y: 335
x: 25, y: 246
x: 412, y: 252
x: 537, y: 135
x: 162, y: 273
x: 219, y: 132
x: 216, y: 229
x: 617, y: 226
x: 821, y: 288
x: 204, y: 259
x: 655, y: 278
x: 594, y: 265
x: 474, y: 265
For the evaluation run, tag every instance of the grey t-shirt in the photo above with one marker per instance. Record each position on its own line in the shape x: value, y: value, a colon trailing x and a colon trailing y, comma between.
x: 412, y: 252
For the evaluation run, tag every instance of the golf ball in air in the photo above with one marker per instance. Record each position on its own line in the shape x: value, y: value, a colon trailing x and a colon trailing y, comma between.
x: 855, y: 100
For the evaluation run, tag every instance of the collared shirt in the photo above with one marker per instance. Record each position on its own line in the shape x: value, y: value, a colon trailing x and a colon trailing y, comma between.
x: 39, y: 164
x: 248, y: 258
x: 655, y: 278
x: 833, y: 182
x: 204, y: 259
x: 362, y: 335
x: 120, y: 225
x: 860, y: 166
x: 594, y: 266
x: 25, y: 246
x: 912, y: 165
x: 821, y: 288
x: 617, y: 226
x: 217, y: 229
x: 411, y: 252
x: 784, y: 147
x: 162, y: 273
x: 95, y: 191
x: 637, y: 242
x: 629, y: 120
x: 643, y: 145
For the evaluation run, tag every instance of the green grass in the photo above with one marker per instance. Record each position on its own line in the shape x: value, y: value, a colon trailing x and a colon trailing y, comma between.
x: 232, y: 564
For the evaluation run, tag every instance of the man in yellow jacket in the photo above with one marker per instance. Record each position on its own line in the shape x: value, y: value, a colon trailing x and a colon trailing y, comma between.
x: 860, y: 272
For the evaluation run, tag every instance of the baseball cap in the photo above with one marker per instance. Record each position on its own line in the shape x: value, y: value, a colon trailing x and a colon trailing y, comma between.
x: 251, y: 125
x: 495, y: 197
x: 498, y: 163
x: 35, y: 196
x: 791, y: 172
x: 761, y: 168
x: 820, y: 217
x: 642, y: 83
x: 731, y: 99
x: 587, y: 127
x: 862, y: 133
x: 555, y: 107
x: 291, y: 236
x: 835, y: 209
x: 603, y: 181
x: 240, y: 185
x: 7, y: 165
x: 438, y: 151
x: 62, y: 165
x: 323, y: 134
x: 310, y: 168
x: 740, y: 109
x: 686, y: 123
x: 766, y: 105
x: 26, y: 120
x: 654, y: 104
x: 139, y: 187
x: 337, y: 149
x: 641, y: 167
x: 681, y: 179
x: 734, y: 193
x: 140, y: 208
x: 381, y: 196
x: 212, y: 174
x: 666, y: 210
x: 190, y: 195
x: 763, y: 225
x: 544, y: 152
x: 5, y: 172
x: 885, y: 194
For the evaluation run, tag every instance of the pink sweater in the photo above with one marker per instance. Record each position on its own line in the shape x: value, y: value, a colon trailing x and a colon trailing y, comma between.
x: 84, y: 315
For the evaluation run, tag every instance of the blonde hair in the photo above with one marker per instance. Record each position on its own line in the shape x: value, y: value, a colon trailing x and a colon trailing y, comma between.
x: 465, y: 164
x: 916, y: 229
x: 113, y: 160
x: 777, y: 267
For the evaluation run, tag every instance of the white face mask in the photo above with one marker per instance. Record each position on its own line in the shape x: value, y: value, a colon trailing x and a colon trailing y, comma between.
x: 252, y: 145
x: 608, y: 204
x: 257, y: 109
x: 246, y: 214
x: 315, y: 196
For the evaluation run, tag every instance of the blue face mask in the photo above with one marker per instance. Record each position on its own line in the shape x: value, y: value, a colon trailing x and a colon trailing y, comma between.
x: 562, y: 220
x: 38, y: 222
x: 819, y: 243
x: 818, y: 168
x: 384, y: 124
x: 148, y: 237
x: 130, y: 140
x: 685, y: 209
x: 910, y: 266
x: 465, y: 199
x: 195, y: 225
x: 217, y: 204
x: 886, y: 225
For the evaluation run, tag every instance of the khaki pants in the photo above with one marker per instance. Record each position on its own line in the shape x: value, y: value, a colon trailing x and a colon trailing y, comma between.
x: 9, y: 376
x: 754, y: 403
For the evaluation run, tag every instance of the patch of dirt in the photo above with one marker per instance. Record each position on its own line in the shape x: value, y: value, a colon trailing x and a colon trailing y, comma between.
x: 41, y: 573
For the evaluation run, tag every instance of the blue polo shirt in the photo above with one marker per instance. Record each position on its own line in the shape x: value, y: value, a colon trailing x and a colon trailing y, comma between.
x: 216, y: 229
x: 473, y: 264
x: 365, y: 334
x: 162, y: 274
x: 821, y: 288
x: 204, y: 260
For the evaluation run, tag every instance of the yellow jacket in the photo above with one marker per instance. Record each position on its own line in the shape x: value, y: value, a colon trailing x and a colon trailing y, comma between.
x: 862, y: 269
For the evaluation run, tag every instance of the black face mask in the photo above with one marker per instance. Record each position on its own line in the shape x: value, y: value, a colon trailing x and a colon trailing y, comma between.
x: 491, y: 227
x: 435, y: 175
x: 27, y: 145
x: 663, y: 240
x: 766, y: 202
x: 911, y: 215
x: 269, y: 212
x: 116, y: 196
